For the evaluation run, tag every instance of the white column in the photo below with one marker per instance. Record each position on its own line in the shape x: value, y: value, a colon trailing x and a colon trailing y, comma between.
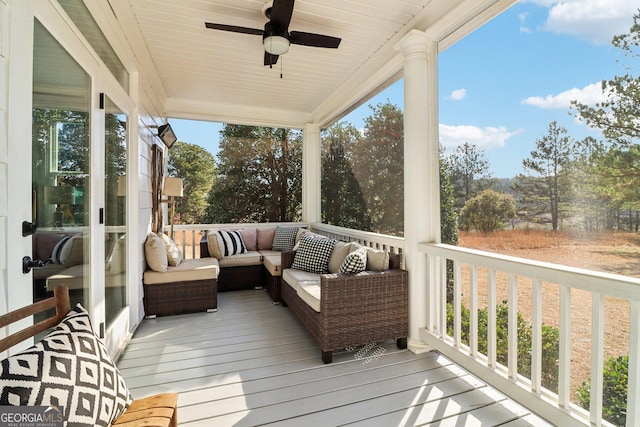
x: 421, y: 177
x: 311, y: 174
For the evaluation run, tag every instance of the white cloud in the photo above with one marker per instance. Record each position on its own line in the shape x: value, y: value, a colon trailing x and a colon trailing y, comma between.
x: 594, y: 20
x: 483, y: 138
x: 458, y: 95
x: 589, y: 95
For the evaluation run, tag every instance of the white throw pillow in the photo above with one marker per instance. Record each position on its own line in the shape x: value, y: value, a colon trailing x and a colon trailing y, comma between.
x: 174, y: 254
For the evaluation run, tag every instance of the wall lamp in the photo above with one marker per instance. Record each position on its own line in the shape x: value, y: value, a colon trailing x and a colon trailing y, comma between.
x: 165, y: 133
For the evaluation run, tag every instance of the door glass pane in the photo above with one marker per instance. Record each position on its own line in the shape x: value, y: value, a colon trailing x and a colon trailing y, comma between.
x: 60, y: 169
x: 115, y: 149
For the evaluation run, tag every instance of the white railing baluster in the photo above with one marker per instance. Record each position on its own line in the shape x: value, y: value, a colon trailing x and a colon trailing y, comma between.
x: 512, y: 304
x: 473, y: 315
x: 443, y: 296
x: 457, y: 304
x: 556, y: 408
x: 633, y: 391
x: 536, y: 336
x: 597, y: 357
x: 564, y: 362
x: 491, y: 319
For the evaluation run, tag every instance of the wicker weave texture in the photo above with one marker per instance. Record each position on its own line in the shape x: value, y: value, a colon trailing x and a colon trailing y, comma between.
x: 180, y: 297
x: 355, y: 309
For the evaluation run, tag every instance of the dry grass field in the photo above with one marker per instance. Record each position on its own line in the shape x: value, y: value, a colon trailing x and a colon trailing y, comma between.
x: 617, y: 253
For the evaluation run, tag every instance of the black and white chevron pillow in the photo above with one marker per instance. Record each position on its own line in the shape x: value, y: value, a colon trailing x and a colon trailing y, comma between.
x: 232, y: 243
x: 71, y: 368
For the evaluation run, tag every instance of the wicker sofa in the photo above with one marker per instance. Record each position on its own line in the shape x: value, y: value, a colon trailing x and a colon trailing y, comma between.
x: 349, y: 309
x: 173, y: 285
x: 259, y: 267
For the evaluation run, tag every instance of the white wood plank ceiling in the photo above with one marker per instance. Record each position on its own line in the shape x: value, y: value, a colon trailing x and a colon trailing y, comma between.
x: 217, y: 75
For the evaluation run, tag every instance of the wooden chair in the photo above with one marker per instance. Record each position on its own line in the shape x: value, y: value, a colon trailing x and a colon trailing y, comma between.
x: 156, y: 410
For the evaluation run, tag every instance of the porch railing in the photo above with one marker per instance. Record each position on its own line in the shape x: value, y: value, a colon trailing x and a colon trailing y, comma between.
x: 477, y: 280
x: 474, y: 270
x: 188, y: 236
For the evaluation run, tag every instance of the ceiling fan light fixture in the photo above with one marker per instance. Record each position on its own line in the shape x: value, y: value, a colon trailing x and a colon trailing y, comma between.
x: 276, y: 45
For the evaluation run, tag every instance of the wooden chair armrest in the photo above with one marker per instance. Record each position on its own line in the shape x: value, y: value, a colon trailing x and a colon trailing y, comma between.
x: 156, y: 410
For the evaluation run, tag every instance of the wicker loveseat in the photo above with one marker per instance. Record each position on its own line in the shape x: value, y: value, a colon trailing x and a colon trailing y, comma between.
x: 349, y: 309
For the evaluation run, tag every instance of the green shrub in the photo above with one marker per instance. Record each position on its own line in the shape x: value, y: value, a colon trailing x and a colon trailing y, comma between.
x: 550, y: 341
x: 614, y: 395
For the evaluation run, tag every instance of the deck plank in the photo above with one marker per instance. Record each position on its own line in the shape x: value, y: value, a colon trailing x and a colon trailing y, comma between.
x: 252, y: 363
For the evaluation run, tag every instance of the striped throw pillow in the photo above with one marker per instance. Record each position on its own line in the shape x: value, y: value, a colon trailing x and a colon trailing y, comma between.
x: 232, y: 243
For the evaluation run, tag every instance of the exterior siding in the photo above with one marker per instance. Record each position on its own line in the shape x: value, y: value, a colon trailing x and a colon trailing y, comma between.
x: 4, y: 43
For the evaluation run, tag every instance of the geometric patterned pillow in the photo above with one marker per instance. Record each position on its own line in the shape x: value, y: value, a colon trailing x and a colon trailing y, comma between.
x: 284, y: 238
x: 313, y: 255
x: 71, y: 368
x: 355, y: 262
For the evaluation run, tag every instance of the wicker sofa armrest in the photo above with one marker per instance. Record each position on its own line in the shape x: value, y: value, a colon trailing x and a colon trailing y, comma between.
x: 204, y: 248
x: 287, y: 259
x: 366, y: 302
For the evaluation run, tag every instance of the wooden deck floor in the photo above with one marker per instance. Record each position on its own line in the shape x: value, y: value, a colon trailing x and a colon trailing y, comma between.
x: 252, y: 363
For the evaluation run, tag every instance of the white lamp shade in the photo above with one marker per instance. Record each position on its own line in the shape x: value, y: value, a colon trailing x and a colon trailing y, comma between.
x: 59, y: 195
x: 172, y: 186
x: 276, y: 45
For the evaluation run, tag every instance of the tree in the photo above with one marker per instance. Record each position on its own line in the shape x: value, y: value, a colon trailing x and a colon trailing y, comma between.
x: 553, y: 152
x: 448, y: 214
x: 378, y: 164
x: 469, y: 172
x: 342, y: 199
x: 487, y: 211
x: 259, y: 175
x: 617, y: 116
x: 196, y: 167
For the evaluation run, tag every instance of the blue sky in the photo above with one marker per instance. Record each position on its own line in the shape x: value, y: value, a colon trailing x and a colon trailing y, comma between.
x: 501, y: 86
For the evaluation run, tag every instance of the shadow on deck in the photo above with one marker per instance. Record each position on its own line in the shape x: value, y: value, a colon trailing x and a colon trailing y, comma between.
x: 252, y: 363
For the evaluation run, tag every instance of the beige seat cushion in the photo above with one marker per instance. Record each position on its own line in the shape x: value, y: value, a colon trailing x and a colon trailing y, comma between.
x: 73, y: 278
x: 272, y: 261
x: 189, y: 269
x: 309, y: 292
x: 294, y: 277
x: 241, y: 260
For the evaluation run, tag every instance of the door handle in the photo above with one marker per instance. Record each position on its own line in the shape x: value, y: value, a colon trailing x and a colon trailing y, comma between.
x: 28, y: 263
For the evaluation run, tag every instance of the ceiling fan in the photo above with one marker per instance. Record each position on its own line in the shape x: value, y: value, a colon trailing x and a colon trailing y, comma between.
x: 276, y: 37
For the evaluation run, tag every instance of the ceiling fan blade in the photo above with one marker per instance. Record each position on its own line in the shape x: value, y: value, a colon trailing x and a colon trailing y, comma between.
x: 270, y: 59
x: 281, y: 13
x: 234, y: 29
x: 315, y: 40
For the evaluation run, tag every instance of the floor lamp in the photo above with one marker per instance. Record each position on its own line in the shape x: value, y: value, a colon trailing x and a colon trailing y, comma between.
x: 172, y: 188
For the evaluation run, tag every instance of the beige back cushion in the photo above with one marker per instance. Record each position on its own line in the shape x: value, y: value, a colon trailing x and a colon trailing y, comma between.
x: 116, y: 261
x: 156, y: 253
x: 340, y: 252
x: 250, y: 238
x: 213, y: 244
x: 377, y: 259
x: 265, y: 238
x: 174, y: 255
